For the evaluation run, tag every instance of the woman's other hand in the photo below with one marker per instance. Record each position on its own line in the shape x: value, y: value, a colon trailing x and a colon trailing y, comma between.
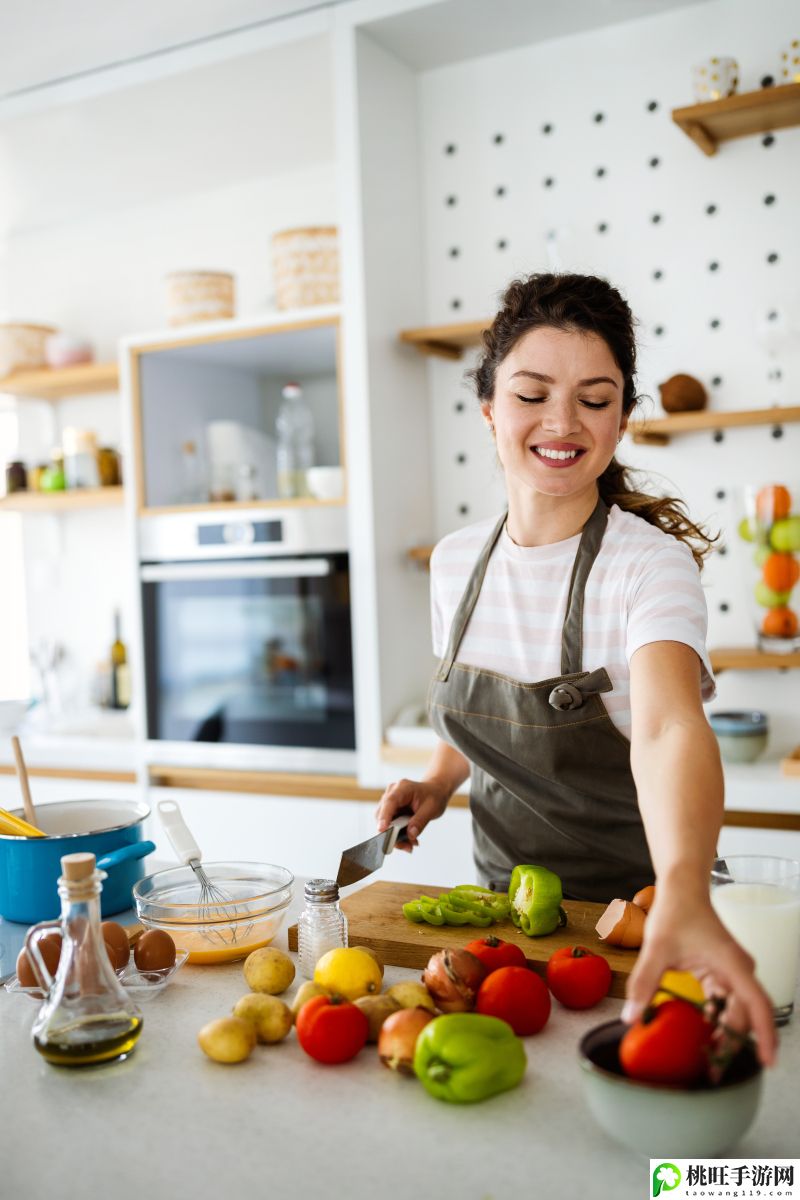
x: 683, y: 933
x: 426, y: 798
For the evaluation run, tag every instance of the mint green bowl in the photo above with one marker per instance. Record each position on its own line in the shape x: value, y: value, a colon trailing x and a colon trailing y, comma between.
x: 666, y: 1122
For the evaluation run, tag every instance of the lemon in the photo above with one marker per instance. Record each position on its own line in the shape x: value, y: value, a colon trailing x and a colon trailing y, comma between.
x: 680, y: 983
x: 348, y: 972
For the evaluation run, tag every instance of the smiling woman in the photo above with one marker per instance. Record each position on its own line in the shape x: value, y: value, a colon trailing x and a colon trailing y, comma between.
x: 570, y: 633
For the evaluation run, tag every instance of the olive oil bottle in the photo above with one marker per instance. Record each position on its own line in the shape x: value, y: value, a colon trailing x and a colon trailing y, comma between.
x: 120, y: 671
x: 87, y: 1016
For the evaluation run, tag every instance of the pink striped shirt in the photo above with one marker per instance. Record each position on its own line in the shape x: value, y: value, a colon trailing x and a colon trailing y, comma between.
x: 644, y: 587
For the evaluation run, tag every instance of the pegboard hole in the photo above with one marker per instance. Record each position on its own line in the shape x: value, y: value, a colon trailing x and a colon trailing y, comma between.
x: 718, y: 436
x: 659, y: 331
x: 450, y: 148
x: 777, y: 431
x: 549, y: 181
x: 463, y: 510
x: 461, y: 459
x: 713, y: 265
x: 770, y: 198
x: 450, y: 201
x: 768, y: 141
x: 459, y: 406
x: 652, y: 106
x: 498, y: 139
x: 500, y: 191
x: 502, y: 244
x: 772, y: 257
x: 716, y: 381
x: 548, y: 128
x: 598, y: 118
x: 600, y: 172
x: 724, y: 606
x: 658, y: 274
x: 720, y: 493
x: 455, y: 303
x: 454, y: 251
x: 654, y: 162
x: 602, y: 227
x: 710, y: 210
x: 714, y: 323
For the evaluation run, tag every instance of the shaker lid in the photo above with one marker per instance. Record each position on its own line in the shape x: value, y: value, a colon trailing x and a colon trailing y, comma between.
x: 321, y: 891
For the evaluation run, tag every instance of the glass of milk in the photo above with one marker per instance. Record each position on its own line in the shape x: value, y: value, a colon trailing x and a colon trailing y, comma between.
x: 757, y: 898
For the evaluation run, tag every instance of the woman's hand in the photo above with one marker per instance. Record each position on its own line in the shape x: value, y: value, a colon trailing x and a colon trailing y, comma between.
x: 427, y: 800
x: 683, y: 933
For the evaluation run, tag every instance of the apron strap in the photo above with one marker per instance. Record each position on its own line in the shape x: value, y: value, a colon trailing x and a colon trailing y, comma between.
x: 572, y: 629
x: 468, y: 601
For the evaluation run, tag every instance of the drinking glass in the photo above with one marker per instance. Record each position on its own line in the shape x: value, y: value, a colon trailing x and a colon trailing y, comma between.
x: 757, y: 898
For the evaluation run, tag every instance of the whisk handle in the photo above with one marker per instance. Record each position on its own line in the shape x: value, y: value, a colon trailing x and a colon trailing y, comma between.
x: 178, y: 833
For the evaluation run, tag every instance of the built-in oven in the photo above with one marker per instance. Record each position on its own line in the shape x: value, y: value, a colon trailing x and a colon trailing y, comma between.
x: 247, y: 636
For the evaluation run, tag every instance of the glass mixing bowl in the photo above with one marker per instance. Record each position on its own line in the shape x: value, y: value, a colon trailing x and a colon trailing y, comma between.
x: 245, y: 912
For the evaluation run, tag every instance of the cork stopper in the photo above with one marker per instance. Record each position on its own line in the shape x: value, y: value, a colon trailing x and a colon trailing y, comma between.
x: 76, y: 867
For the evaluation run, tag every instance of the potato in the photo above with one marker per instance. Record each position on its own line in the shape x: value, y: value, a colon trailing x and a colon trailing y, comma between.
x: 268, y: 970
x: 227, y: 1040
x: 411, y: 994
x: 376, y: 1009
x: 307, y: 991
x: 269, y: 1016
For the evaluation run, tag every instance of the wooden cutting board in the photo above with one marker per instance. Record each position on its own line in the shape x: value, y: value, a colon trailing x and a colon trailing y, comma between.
x: 375, y: 919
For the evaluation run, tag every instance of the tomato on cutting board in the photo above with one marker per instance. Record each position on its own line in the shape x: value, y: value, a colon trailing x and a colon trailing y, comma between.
x: 668, y: 1045
x: 577, y: 977
x: 331, y: 1030
x: 495, y: 953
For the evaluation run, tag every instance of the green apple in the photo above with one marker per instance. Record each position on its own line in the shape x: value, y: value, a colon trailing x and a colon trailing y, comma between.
x: 761, y: 555
x: 785, y: 535
x: 747, y: 530
x: 768, y: 598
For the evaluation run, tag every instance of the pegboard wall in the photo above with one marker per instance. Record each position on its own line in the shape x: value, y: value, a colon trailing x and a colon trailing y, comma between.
x: 563, y: 155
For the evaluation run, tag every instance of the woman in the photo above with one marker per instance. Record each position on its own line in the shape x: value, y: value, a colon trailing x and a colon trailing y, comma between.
x: 571, y: 637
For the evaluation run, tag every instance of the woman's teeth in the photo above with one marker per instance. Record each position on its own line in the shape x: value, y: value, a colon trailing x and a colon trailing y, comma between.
x: 555, y: 453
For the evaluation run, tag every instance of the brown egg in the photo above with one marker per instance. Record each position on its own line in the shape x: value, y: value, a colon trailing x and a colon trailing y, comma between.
x: 117, y: 944
x: 154, y: 951
x: 50, y: 950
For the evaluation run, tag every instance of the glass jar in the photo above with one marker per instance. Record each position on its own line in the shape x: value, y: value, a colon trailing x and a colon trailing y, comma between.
x: 80, y: 458
x: 769, y: 535
x: 16, y: 477
x: 322, y: 925
x: 108, y: 467
x: 87, y: 1016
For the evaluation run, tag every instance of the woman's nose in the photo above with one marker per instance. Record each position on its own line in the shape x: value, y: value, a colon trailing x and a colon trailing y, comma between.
x: 562, y: 419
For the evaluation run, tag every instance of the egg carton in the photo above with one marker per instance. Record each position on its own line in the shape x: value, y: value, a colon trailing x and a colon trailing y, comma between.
x: 143, y: 985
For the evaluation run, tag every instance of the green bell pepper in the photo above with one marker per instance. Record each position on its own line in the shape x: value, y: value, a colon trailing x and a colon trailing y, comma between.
x: 465, y: 905
x: 425, y: 909
x: 496, y: 903
x: 465, y: 1057
x: 535, y: 895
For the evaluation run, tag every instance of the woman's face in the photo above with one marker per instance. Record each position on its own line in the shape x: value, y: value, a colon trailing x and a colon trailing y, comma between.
x: 556, y: 411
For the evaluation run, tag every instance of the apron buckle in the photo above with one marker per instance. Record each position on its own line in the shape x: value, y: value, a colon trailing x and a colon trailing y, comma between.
x: 565, y: 696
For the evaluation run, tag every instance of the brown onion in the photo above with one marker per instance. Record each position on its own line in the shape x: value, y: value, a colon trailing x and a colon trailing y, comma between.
x: 453, y: 977
x: 397, y: 1039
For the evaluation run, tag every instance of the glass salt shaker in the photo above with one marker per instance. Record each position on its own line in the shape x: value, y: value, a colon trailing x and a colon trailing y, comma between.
x: 87, y: 1016
x: 322, y: 925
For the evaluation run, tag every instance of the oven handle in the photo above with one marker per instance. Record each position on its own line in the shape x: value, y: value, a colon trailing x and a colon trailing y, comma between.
x: 281, y: 568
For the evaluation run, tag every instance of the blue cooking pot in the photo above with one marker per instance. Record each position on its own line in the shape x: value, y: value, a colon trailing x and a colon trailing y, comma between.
x: 112, y: 830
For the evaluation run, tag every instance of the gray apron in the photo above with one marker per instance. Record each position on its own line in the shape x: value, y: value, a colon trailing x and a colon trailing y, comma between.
x: 551, y: 780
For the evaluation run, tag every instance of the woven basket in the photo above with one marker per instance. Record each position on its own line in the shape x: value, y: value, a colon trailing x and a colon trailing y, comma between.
x: 199, y: 296
x: 305, y: 266
x: 22, y: 346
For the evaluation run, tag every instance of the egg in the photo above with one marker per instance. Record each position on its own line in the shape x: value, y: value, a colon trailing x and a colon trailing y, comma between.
x: 117, y: 944
x: 50, y: 950
x: 154, y: 951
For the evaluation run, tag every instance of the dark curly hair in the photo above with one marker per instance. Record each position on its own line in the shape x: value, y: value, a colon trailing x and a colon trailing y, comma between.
x: 588, y: 304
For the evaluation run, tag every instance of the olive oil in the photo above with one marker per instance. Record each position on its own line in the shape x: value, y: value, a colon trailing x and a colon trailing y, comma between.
x: 90, y: 1040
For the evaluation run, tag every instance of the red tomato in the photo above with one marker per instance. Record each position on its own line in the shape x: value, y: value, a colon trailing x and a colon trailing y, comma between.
x: 668, y: 1045
x: 577, y: 977
x: 331, y: 1030
x: 495, y: 953
x: 517, y: 995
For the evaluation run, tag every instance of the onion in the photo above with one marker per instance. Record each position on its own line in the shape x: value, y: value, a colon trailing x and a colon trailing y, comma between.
x: 397, y: 1039
x: 453, y: 977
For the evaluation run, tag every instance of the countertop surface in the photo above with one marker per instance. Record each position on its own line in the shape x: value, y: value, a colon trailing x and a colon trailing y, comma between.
x: 167, y: 1122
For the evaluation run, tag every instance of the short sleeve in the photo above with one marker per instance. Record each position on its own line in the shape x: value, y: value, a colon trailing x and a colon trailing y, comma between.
x: 667, y: 604
x: 437, y: 614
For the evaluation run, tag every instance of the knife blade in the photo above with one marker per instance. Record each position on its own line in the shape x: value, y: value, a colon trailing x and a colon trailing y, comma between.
x: 361, y: 860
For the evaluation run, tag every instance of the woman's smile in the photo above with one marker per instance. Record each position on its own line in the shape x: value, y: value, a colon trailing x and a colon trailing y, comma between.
x: 558, y: 454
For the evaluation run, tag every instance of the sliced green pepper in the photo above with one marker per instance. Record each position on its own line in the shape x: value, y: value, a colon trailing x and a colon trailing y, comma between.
x: 459, y: 907
x: 465, y: 1057
x: 496, y: 903
x: 535, y: 895
x: 425, y: 909
x: 458, y: 912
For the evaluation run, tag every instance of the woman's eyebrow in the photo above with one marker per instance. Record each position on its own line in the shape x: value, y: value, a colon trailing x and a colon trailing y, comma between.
x: 581, y: 382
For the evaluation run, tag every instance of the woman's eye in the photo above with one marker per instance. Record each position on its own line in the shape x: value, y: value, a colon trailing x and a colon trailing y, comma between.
x: 595, y: 403
x: 531, y: 399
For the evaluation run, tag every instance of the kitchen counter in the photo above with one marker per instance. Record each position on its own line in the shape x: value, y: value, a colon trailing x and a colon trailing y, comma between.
x: 170, y: 1123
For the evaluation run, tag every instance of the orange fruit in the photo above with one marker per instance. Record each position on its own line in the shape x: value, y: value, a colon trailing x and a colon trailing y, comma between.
x: 779, y: 623
x: 773, y: 503
x: 781, y: 572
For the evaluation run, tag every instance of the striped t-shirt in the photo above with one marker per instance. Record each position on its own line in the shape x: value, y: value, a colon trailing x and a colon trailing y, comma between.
x: 644, y: 587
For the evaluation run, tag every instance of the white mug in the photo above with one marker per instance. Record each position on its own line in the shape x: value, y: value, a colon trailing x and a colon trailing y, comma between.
x: 715, y: 78
x: 789, y: 64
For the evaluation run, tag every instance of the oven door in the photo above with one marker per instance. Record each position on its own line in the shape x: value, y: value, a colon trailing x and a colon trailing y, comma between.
x: 250, y: 652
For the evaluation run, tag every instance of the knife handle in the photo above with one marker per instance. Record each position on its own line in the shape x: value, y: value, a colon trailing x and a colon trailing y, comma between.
x: 396, y: 831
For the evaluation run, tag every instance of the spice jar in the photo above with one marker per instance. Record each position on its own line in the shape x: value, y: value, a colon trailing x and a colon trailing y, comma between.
x: 322, y: 925
x: 16, y: 477
x: 80, y: 458
x: 108, y: 467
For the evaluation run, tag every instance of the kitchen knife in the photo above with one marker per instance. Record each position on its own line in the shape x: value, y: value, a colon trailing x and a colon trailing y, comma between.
x: 361, y: 860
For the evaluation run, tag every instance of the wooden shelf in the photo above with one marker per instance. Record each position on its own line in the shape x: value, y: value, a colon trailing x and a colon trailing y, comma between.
x: 746, y: 658
x: 740, y: 116
x: 262, y: 783
x: 421, y: 555
x: 445, y: 341
x: 68, y: 501
x: 56, y: 383
x: 659, y: 430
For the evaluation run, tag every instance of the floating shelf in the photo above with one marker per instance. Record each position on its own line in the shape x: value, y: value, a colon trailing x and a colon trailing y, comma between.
x: 56, y: 383
x: 421, y: 555
x: 445, y: 341
x: 657, y: 432
x: 68, y: 501
x: 740, y: 116
x: 747, y: 658
x: 154, y: 510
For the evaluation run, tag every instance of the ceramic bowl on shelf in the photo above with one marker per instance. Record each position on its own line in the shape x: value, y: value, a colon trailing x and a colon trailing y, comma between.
x: 325, y: 483
x: 742, y: 734
x: 667, y: 1122
x: 256, y: 898
x: 22, y: 346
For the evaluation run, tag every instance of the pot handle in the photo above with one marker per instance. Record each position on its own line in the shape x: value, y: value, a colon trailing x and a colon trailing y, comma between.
x: 34, y: 954
x: 125, y: 853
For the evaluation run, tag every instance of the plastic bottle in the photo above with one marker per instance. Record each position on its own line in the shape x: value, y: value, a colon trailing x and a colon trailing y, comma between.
x: 322, y: 925
x: 295, y: 430
x: 87, y: 1017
